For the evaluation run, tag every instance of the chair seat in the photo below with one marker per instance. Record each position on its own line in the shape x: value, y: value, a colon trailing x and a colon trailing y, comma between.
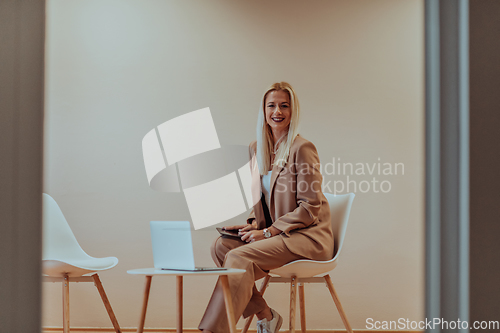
x: 304, y: 268
x: 77, y: 267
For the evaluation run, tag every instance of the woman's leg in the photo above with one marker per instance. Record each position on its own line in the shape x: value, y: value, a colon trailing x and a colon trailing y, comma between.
x: 223, y: 245
x: 257, y: 259
x: 220, y: 247
x: 218, y: 250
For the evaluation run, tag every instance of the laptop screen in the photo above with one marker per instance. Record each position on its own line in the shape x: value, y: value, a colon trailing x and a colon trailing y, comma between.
x: 172, y: 245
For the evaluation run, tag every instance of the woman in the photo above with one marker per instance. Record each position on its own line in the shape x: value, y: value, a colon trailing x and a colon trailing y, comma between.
x: 298, y: 219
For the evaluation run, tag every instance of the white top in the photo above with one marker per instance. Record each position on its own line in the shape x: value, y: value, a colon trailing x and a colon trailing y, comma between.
x: 266, y: 188
x: 153, y: 271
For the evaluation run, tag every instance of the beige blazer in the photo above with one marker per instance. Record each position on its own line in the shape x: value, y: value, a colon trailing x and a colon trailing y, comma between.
x: 298, y: 206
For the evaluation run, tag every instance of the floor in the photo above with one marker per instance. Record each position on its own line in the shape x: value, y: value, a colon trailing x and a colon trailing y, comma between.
x: 124, y: 330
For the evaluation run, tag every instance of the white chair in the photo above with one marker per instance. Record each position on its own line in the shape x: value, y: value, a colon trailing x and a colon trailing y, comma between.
x: 63, y: 259
x: 310, y: 271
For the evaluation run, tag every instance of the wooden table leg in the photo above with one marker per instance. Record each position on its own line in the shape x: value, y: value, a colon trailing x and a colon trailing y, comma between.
x: 293, y: 303
x: 179, y: 303
x: 65, y: 290
x: 302, y: 308
x: 229, y: 303
x: 107, y: 305
x: 140, y: 328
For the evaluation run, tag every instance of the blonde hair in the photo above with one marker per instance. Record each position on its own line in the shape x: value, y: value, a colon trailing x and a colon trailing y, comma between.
x: 265, y: 135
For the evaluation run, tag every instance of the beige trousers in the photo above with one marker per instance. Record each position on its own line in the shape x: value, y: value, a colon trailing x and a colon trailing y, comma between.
x: 257, y: 258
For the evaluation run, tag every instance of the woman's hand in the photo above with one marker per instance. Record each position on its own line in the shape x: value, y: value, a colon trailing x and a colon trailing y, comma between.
x: 252, y: 236
x: 255, y: 235
x: 242, y: 228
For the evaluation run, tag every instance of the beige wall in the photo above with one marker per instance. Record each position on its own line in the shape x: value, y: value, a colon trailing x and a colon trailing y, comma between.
x: 116, y: 69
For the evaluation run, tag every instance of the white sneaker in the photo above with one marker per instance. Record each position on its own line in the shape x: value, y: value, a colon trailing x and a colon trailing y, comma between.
x: 259, y: 326
x: 270, y: 326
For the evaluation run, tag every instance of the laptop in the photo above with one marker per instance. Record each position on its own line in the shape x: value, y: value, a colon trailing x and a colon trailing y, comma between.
x: 173, y: 247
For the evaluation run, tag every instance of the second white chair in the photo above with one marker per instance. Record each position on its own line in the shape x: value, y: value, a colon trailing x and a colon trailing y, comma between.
x: 310, y: 271
x: 64, y: 260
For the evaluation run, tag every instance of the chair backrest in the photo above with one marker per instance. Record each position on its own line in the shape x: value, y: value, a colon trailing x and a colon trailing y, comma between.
x: 340, y: 208
x: 59, y: 242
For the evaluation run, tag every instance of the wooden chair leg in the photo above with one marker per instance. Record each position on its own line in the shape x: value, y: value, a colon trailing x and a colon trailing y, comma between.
x: 229, y: 303
x: 335, y: 297
x: 107, y: 305
x: 65, y: 290
x: 179, y: 303
x: 293, y: 303
x: 263, y: 288
x: 302, y: 308
x: 140, y: 327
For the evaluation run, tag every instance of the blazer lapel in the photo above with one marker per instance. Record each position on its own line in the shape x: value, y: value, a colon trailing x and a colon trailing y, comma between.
x: 276, y: 171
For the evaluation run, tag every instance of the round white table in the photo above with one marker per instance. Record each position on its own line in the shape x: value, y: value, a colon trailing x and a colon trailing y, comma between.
x: 150, y: 272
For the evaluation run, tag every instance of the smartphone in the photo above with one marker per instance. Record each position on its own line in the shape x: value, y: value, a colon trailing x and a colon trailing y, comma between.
x: 230, y: 233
